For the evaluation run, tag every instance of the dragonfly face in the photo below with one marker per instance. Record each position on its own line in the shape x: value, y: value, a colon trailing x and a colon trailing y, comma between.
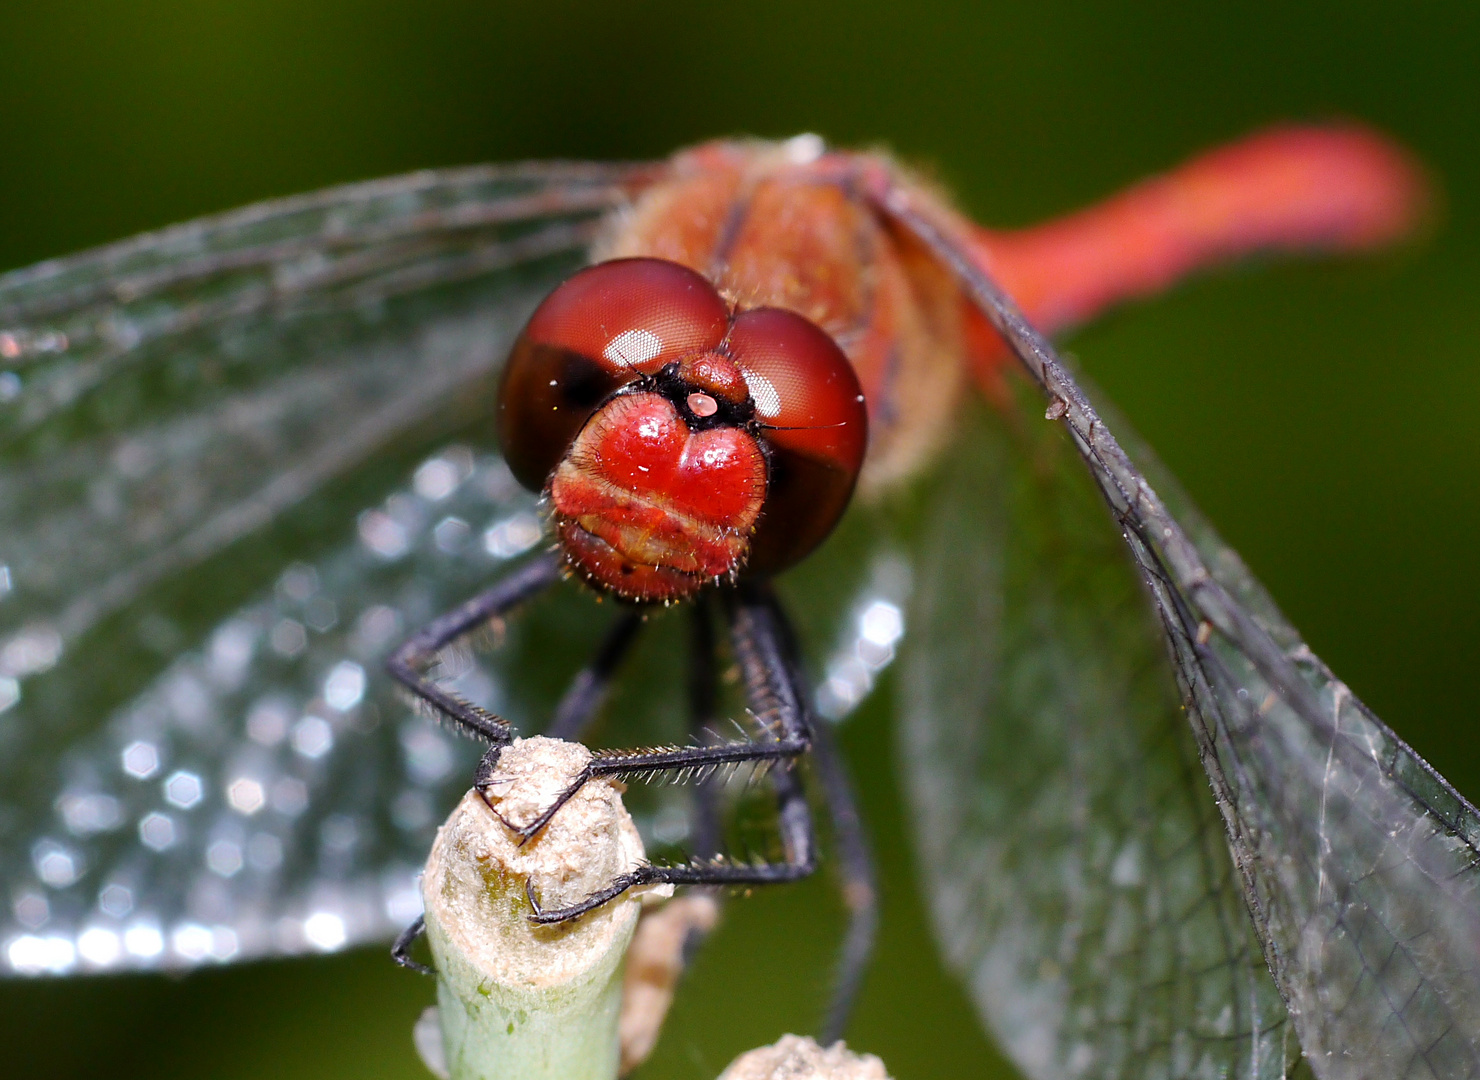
x: 225, y: 777
x: 679, y: 441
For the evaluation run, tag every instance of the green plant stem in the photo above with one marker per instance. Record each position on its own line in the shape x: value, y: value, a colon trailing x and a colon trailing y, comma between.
x: 516, y: 1000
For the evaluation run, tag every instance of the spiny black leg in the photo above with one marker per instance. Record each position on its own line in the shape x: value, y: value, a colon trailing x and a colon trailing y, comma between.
x: 855, y: 859
x: 401, y: 950
x: 859, y: 887
x: 588, y: 689
x: 773, y: 700
x: 576, y: 710
x: 776, y: 701
x: 408, y: 664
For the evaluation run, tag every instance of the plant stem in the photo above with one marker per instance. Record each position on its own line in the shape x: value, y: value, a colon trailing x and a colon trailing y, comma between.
x: 516, y: 1000
x: 795, y: 1057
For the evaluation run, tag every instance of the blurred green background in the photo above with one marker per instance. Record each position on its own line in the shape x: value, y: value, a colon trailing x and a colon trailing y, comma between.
x: 1322, y: 415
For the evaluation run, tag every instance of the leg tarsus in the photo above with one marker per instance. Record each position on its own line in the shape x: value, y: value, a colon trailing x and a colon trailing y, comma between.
x: 487, y: 766
x: 774, y: 694
x: 527, y: 832
x: 859, y: 882
x: 407, y: 665
x: 629, y: 880
x: 626, y: 763
x: 401, y: 950
x: 713, y: 873
x: 859, y: 886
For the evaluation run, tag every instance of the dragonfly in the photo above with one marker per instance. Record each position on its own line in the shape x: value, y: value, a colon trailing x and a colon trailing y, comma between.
x: 1098, y: 704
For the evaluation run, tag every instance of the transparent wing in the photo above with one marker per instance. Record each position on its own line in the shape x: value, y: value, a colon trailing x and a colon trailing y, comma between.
x: 1075, y: 865
x: 170, y: 394
x: 206, y: 530
x: 241, y: 459
x: 1100, y: 926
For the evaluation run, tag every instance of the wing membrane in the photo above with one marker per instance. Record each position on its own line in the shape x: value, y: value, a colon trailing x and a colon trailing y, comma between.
x: 168, y: 405
x: 1076, y: 868
x: 172, y: 393
x: 239, y: 459
x: 1357, y: 862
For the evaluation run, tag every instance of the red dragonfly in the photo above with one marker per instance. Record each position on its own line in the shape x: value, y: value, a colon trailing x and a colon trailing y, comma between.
x: 230, y: 781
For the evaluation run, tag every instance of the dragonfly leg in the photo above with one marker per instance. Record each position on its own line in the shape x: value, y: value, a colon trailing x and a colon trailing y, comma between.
x: 855, y: 861
x: 776, y: 701
x: 588, y: 689
x: 858, y: 884
x: 574, y: 713
x: 401, y: 950
x: 576, y: 708
x: 408, y: 664
x: 705, y: 830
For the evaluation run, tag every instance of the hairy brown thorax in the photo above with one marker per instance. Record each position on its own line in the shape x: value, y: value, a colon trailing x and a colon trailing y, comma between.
x: 780, y: 225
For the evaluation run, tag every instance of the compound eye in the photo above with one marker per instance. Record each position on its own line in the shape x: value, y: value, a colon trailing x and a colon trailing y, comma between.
x: 805, y: 391
x: 812, y: 416
x: 631, y: 315
x: 601, y: 328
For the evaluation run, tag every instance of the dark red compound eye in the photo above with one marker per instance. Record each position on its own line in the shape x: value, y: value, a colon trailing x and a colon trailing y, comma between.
x: 600, y: 329
x: 815, y: 423
x: 679, y: 445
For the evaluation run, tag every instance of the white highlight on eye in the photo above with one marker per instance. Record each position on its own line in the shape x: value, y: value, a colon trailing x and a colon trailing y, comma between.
x: 633, y: 347
x: 767, y: 400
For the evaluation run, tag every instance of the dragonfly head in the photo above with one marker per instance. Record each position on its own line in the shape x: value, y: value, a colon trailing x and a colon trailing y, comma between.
x: 679, y: 442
